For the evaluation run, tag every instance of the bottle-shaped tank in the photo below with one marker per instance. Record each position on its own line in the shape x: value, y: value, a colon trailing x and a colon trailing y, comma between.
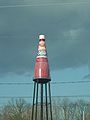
x: 41, y: 70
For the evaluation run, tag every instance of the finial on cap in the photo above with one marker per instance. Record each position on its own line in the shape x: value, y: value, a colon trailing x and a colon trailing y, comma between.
x: 41, y: 37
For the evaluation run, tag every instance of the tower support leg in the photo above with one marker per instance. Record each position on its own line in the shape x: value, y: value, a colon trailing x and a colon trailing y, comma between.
x: 36, y: 102
x: 33, y: 100
x: 47, y: 105
x: 46, y: 101
x: 50, y: 100
x: 41, y: 101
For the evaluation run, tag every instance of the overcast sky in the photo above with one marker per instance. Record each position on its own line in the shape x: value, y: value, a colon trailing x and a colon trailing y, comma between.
x: 67, y: 30
x: 66, y: 26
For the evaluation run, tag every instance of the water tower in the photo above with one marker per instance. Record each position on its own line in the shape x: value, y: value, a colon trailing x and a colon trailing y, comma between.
x: 42, y: 80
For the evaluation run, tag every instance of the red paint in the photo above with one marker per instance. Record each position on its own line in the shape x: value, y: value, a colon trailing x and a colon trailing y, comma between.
x: 41, y: 68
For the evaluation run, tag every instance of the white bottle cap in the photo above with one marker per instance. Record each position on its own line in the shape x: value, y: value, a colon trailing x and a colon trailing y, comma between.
x: 41, y: 37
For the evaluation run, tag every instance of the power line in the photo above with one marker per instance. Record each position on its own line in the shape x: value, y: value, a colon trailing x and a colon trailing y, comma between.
x: 7, y: 97
x: 71, y: 82
x: 16, y: 83
x: 73, y: 96
x: 30, y: 83
x: 68, y: 96
x: 45, y: 4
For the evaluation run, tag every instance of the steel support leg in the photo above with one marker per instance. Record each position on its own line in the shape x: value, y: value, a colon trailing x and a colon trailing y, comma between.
x: 41, y: 101
x: 46, y: 101
x: 33, y: 100
x: 50, y: 100
x: 36, y: 102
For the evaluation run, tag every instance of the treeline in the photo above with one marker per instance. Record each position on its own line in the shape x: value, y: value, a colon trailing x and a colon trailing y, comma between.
x: 62, y: 109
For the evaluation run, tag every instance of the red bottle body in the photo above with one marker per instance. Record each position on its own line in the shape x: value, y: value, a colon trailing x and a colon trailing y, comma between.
x: 41, y: 69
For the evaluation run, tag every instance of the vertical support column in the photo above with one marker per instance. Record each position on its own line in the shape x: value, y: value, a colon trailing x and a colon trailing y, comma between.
x: 50, y: 99
x: 46, y: 101
x: 33, y: 100
x: 41, y: 101
x: 36, y: 102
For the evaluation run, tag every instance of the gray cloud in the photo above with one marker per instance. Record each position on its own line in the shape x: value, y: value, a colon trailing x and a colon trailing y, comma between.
x: 67, y: 30
x: 86, y: 77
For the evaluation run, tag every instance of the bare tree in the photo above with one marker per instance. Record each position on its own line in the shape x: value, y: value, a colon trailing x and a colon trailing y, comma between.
x: 57, y: 109
x: 17, y: 110
x: 87, y: 116
x: 63, y: 109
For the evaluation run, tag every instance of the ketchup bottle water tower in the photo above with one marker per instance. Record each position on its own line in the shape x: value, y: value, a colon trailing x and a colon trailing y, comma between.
x: 42, y: 110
